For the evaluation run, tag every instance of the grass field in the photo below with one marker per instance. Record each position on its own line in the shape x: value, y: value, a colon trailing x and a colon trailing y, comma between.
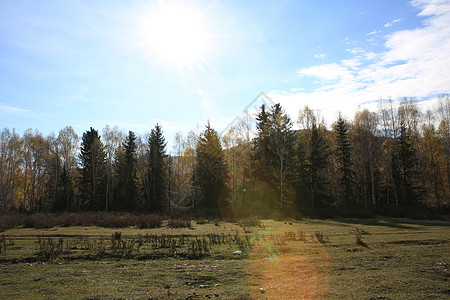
x: 306, y: 259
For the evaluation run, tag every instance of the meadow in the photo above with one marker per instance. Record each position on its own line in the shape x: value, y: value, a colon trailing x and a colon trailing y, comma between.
x: 383, y: 258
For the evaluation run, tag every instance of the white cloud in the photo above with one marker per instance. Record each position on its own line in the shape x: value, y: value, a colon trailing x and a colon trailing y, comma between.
x: 390, y: 24
x: 370, y: 55
x: 326, y: 72
x: 355, y: 50
x: 351, y: 63
x: 415, y: 63
x: 373, y: 32
x: 321, y: 55
x: 432, y: 7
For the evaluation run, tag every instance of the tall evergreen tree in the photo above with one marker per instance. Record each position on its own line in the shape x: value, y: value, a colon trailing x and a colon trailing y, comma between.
x: 156, y: 193
x: 259, y: 166
x: 344, y: 158
x: 280, y: 152
x: 272, y: 154
x: 92, y: 182
x: 260, y: 142
x: 125, y: 195
x: 317, y: 159
x: 311, y: 157
x: 405, y: 175
x: 210, y: 173
x: 64, y: 192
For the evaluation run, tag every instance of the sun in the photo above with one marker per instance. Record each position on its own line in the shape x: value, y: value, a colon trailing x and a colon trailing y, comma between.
x: 176, y: 33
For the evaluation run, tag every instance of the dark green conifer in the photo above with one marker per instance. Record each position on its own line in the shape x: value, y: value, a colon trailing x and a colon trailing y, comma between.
x: 404, y: 167
x: 156, y: 193
x: 92, y: 181
x: 126, y: 182
x: 210, y: 173
x: 344, y: 158
x: 64, y: 192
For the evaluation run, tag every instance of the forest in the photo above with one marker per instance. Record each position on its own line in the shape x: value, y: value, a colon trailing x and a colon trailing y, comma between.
x: 393, y: 161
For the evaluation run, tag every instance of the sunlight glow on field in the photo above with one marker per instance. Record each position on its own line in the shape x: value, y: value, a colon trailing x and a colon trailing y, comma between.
x: 281, y: 266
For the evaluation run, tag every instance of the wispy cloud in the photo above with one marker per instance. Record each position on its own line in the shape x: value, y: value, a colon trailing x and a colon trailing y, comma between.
x: 415, y: 64
x: 7, y: 109
x: 373, y: 32
x: 326, y: 72
x: 355, y: 50
x: 390, y: 24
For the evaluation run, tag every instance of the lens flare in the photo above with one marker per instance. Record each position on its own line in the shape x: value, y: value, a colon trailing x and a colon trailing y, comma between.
x: 287, y: 266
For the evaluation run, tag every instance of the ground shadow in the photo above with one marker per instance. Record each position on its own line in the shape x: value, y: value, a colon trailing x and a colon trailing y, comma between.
x: 399, y: 223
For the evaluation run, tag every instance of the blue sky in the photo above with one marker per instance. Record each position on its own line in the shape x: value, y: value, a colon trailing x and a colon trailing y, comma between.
x: 92, y: 63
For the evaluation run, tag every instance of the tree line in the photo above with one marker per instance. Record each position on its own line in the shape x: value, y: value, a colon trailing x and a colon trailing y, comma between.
x: 397, y: 157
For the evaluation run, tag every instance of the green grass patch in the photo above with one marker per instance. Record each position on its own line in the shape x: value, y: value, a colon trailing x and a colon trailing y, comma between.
x: 330, y: 259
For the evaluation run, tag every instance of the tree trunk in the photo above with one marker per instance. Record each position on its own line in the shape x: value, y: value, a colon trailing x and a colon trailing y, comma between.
x: 372, y: 183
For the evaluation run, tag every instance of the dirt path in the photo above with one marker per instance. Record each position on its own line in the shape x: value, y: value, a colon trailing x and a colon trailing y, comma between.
x: 285, y: 264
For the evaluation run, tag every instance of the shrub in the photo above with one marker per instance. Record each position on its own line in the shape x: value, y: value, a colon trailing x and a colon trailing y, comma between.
x: 322, y: 238
x: 39, y: 220
x: 149, y: 221
x: 179, y: 223
x: 250, y: 222
x: 49, y: 249
x: 201, y: 221
x: 8, y: 221
x: 121, y: 246
x: 2, y: 243
x: 200, y: 248
x: 102, y: 219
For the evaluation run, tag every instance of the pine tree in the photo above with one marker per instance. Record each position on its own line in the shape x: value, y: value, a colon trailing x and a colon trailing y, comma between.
x: 260, y: 150
x: 344, y: 158
x: 210, y: 173
x: 311, y: 157
x: 156, y: 195
x: 92, y: 182
x: 405, y: 167
x: 316, y: 160
x: 259, y: 166
x: 125, y: 195
x: 64, y: 192
x: 300, y: 172
x: 272, y: 154
x: 280, y: 150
